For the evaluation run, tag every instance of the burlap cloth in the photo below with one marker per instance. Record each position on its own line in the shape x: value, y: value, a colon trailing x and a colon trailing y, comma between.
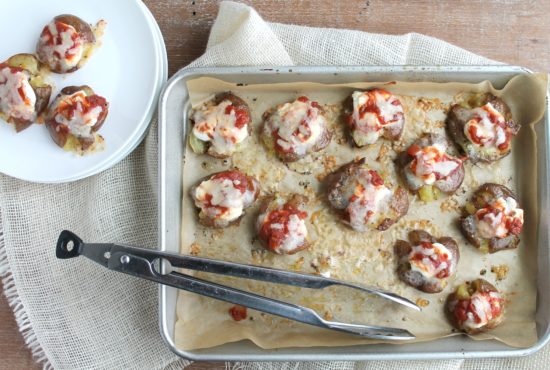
x: 76, y: 314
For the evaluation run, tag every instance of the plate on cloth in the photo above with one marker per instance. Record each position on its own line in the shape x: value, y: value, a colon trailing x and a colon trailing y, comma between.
x: 128, y: 69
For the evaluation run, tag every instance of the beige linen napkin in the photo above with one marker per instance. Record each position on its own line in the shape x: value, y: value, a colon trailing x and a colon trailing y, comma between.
x: 76, y: 314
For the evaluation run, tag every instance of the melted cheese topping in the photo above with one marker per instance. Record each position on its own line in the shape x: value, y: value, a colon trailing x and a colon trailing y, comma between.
x: 60, y: 44
x: 431, y: 260
x: 17, y: 98
x: 76, y: 112
x: 487, y: 127
x: 431, y: 163
x: 217, y: 125
x: 481, y: 308
x: 297, y: 126
x: 297, y: 233
x: 374, y: 110
x: 220, y: 199
x: 499, y: 219
x: 369, y: 202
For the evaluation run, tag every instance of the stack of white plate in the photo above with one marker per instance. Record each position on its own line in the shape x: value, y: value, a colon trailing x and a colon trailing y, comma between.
x: 128, y: 69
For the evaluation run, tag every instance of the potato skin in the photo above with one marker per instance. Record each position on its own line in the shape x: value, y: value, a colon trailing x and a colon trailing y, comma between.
x: 390, y: 133
x: 239, y: 104
x: 20, y: 124
x: 337, y: 182
x: 297, y: 201
x: 415, y: 279
x: 69, y: 90
x: 43, y: 95
x: 457, y: 118
x: 480, y: 199
x: 478, y: 285
x: 449, y: 185
x: 216, y: 223
x: 60, y: 133
x: 340, y: 179
x: 288, y: 157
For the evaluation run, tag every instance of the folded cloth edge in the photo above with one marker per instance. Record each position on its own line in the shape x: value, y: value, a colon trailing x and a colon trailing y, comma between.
x: 9, y: 288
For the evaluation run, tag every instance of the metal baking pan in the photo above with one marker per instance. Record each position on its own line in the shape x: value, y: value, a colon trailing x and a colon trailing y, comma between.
x: 173, y: 114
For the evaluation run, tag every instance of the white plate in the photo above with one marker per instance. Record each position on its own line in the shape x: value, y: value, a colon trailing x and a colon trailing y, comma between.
x: 126, y: 69
x: 163, y: 75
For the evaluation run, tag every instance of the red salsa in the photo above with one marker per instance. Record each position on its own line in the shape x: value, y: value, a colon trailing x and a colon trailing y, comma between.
x: 275, y: 237
x: 238, y: 312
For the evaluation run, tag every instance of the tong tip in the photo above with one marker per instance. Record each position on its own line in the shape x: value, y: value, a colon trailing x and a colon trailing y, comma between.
x: 374, y: 332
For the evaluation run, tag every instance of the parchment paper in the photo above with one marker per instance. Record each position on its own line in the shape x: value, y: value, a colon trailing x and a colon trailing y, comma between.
x: 364, y: 258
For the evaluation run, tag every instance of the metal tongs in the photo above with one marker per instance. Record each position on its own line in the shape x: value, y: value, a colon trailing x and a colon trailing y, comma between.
x: 144, y: 263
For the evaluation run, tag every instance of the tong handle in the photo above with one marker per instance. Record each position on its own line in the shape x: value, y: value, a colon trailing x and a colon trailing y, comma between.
x: 68, y: 245
x: 142, y: 268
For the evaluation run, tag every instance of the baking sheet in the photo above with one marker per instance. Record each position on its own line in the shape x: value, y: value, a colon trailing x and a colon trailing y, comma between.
x: 346, y: 254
